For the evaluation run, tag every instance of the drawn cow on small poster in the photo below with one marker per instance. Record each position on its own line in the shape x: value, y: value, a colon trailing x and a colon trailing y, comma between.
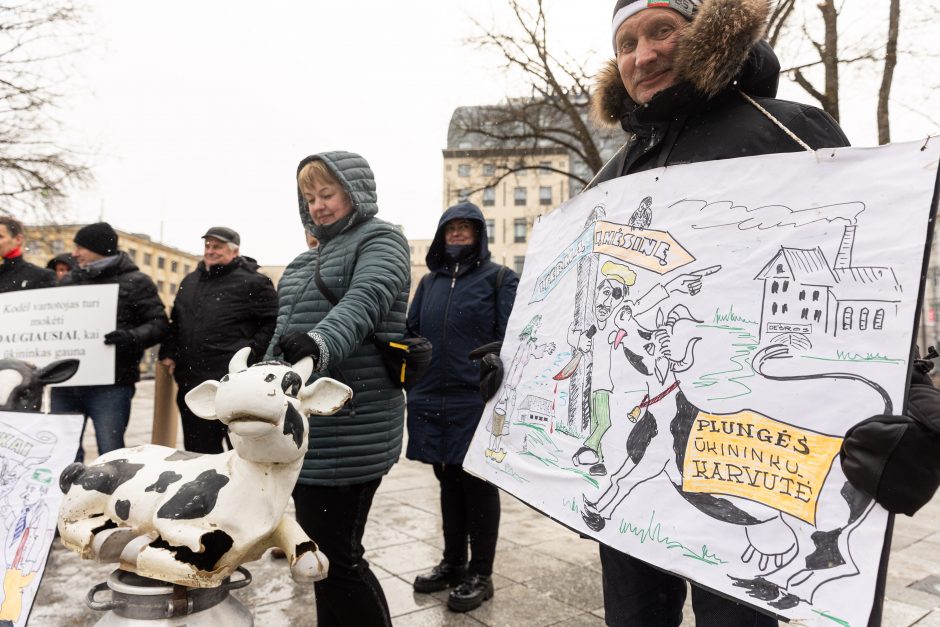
x: 192, y: 519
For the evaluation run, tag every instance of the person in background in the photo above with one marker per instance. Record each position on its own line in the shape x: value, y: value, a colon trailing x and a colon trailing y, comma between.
x: 141, y: 323
x: 332, y: 299
x: 61, y: 265
x: 15, y: 272
x: 224, y: 305
x: 463, y: 302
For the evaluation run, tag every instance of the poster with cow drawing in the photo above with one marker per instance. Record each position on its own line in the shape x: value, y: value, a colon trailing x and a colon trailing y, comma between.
x: 687, y: 349
x: 34, y: 449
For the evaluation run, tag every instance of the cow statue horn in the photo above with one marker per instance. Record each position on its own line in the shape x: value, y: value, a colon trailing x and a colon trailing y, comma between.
x: 182, y: 517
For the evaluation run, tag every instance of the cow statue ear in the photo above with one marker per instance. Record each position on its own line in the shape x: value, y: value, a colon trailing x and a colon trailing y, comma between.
x: 323, y: 397
x: 201, y: 399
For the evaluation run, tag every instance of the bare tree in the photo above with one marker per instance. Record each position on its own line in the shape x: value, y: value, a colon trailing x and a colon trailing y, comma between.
x: 553, y: 116
x: 37, y: 37
x: 830, y: 54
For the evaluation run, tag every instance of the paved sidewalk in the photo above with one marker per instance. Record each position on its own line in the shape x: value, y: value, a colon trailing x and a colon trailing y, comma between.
x: 544, y: 573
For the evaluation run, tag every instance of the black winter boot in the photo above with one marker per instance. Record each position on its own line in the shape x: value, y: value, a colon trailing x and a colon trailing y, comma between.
x: 442, y: 576
x: 471, y: 593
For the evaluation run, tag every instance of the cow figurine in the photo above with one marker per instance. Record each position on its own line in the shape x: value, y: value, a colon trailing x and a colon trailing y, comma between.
x: 192, y: 519
x: 21, y: 383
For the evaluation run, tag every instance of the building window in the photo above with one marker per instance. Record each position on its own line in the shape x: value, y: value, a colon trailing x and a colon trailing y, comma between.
x: 779, y: 268
x: 783, y: 309
x: 463, y: 169
x: 57, y: 247
x: 186, y: 268
x: 804, y: 315
x: 159, y: 286
x: 491, y: 230
x: 773, y: 309
x: 879, y: 321
x: 815, y: 295
x: 489, y: 169
x: 518, y: 230
x: 161, y: 262
x: 489, y: 196
x: 519, y: 196
x: 818, y: 315
x: 174, y: 266
x: 172, y: 288
x: 863, y: 319
x: 774, y: 287
x: 786, y: 284
x: 132, y: 253
x: 148, y: 259
x: 518, y: 263
x: 545, y: 195
x: 847, y: 319
x: 545, y: 167
x: 802, y: 294
x: 463, y: 195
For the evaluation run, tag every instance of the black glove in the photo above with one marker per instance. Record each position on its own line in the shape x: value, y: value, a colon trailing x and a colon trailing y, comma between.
x: 295, y: 346
x: 120, y: 337
x: 491, y: 368
x: 896, y: 459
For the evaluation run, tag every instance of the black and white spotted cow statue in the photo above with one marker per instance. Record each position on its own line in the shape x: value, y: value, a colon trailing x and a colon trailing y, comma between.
x: 21, y: 383
x: 192, y: 519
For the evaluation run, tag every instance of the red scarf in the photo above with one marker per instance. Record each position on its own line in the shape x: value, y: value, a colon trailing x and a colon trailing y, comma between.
x: 16, y: 252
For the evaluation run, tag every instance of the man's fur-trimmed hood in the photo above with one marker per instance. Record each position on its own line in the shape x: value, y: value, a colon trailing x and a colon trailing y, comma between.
x: 718, y: 44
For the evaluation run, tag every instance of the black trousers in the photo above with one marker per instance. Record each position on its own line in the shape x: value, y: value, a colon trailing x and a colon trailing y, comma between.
x: 199, y: 435
x: 335, y: 518
x: 638, y: 595
x: 470, y: 509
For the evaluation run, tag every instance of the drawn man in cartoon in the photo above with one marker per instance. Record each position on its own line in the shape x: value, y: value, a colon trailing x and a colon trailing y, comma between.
x: 610, y: 299
x: 27, y: 536
x: 498, y: 422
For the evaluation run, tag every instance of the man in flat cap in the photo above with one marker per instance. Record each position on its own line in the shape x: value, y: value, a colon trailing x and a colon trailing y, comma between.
x: 224, y: 305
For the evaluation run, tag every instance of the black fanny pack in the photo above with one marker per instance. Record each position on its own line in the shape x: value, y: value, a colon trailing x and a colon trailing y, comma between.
x: 406, y: 359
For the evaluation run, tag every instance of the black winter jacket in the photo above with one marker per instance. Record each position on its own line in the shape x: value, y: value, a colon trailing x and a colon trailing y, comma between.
x: 458, y: 308
x: 216, y: 313
x: 139, y: 310
x: 18, y: 274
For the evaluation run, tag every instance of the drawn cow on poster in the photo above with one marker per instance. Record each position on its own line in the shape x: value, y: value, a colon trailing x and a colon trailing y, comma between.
x: 193, y: 519
x: 794, y: 557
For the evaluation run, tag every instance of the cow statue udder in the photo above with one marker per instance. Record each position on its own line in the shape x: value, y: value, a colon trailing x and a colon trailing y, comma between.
x: 192, y: 519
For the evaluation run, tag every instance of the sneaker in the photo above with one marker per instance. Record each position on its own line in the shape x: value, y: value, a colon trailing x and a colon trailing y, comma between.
x: 471, y: 593
x: 441, y: 577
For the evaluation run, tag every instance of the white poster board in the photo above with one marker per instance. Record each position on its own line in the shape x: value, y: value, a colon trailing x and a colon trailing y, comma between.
x: 687, y: 348
x: 34, y: 449
x: 45, y: 325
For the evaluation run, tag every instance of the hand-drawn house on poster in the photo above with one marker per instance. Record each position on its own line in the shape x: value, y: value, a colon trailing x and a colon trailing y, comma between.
x: 536, y: 410
x: 805, y: 296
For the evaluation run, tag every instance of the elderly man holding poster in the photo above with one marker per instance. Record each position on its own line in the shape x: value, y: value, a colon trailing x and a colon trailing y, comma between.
x: 693, y: 81
x: 141, y: 323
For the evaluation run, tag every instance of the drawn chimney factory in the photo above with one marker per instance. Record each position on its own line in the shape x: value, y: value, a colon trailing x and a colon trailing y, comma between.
x: 804, y: 296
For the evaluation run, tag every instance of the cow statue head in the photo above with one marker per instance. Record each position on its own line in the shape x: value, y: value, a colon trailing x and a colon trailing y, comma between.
x: 264, y: 406
x: 21, y: 383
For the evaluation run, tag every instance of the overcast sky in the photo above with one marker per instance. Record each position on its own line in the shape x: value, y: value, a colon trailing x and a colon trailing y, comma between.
x: 196, y: 113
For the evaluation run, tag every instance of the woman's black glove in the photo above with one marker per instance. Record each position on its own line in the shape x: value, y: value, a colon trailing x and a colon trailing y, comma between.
x: 491, y: 368
x: 896, y: 459
x: 295, y: 346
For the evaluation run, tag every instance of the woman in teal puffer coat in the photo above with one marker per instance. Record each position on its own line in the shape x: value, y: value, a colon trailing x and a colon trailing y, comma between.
x: 364, y: 262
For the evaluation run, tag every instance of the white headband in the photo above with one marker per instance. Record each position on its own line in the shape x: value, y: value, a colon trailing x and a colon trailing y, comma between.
x: 686, y: 8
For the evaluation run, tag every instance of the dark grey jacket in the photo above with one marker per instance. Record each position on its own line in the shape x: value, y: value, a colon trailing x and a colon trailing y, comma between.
x: 367, y: 266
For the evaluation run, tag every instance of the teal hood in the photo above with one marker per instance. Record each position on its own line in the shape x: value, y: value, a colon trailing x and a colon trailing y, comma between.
x: 355, y: 175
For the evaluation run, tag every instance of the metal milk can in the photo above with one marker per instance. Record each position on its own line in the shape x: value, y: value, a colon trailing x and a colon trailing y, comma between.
x: 137, y: 600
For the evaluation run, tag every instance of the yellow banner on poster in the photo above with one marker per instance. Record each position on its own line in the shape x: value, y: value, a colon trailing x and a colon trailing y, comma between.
x: 653, y: 250
x: 756, y: 457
